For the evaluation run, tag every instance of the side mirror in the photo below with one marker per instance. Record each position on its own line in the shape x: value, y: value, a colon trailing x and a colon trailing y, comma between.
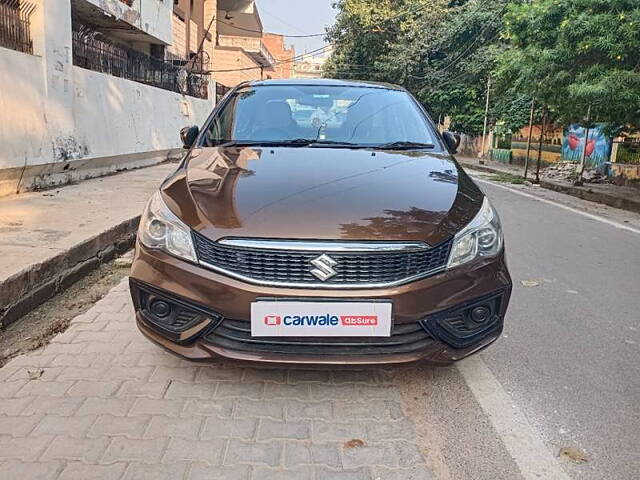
x: 452, y: 140
x: 188, y: 136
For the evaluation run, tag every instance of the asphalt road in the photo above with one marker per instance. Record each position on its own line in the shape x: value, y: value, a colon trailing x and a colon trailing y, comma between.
x: 566, y: 373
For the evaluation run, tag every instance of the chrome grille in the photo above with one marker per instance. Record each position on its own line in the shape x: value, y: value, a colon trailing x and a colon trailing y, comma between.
x: 292, y: 267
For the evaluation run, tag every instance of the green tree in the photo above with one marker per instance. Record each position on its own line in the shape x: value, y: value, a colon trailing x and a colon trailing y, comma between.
x: 441, y: 50
x: 575, y: 54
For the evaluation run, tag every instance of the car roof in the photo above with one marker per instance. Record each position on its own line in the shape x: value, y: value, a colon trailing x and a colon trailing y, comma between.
x: 324, y: 82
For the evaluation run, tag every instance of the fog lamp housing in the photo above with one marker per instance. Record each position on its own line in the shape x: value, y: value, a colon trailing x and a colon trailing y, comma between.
x: 171, y: 316
x: 466, y: 324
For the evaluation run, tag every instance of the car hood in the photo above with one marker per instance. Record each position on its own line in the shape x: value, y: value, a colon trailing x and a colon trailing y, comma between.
x: 322, y: 193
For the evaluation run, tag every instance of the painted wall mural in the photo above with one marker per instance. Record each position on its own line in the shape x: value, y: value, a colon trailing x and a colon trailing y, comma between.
x: 598, y: 145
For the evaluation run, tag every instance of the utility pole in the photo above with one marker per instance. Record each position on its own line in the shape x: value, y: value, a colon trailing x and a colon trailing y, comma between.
x: 526, y: 160
x: 486, y: 119
x: 542, y: 133
x: 583, y: 156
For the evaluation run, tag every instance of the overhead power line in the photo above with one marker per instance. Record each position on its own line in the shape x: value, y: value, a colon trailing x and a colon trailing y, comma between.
x: 281, y: 34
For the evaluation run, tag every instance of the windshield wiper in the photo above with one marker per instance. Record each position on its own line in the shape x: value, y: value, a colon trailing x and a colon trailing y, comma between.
x: 336, y: 144
x: 404, y: 145
x: 296, y: 142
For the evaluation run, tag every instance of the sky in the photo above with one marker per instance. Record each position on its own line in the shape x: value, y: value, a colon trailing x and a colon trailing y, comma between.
x: 297, y: 17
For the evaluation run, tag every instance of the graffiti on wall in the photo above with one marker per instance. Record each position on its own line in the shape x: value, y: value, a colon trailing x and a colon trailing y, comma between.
x: 598, y: 145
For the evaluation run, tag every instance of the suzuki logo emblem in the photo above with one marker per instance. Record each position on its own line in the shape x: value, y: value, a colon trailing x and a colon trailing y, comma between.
x: 324, y: 267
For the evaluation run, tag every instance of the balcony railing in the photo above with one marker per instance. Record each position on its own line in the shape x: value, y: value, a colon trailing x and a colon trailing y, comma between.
x: 92, y: 52
x: 15, y: 27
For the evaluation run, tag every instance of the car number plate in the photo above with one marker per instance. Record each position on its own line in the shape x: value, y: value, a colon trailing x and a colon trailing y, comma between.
x: 320, y: 319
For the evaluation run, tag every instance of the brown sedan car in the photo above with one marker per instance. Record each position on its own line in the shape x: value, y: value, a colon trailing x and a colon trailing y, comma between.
x: 353, y: 238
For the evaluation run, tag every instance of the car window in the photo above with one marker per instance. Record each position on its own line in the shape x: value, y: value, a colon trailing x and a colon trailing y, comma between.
x: 360, y: 115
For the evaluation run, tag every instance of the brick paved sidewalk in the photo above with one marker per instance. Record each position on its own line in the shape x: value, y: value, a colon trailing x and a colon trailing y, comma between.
x: 109, y: 404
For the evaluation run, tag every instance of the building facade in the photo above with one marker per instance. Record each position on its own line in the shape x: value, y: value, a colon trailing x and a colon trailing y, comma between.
x: 89, y: 87
x: 284, y: 56
x: 240, y: 52
x: 309, y: 66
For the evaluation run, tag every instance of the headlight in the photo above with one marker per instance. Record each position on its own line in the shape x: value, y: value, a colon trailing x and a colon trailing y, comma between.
x: 482, y: 237
x: 161, y: 229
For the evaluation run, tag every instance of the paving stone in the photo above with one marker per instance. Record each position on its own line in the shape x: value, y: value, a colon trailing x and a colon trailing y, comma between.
x: 402, y: 429
x: 117, y: 346
x: 37, y: 359
x: 205, y: 472
x: 106, y: 406
x: 183, y: 374
x: 87, y: 450
x: 9, y: 389
x: 300, y: 391
x: 141, y: 388
x: 112, y: 426
x: 357, y: 474
x: 203, y: 391
x: 19, y: 426
x: 123, y: 449
x: 14, y: 406
x: 158, y: 359
x: 162, y: 426
x: 239, y: 452
x: 145, y: 471
x: 220, y: 408
x: 44, y: 389
x: 245, y: 390
x: 214, y: 372
x: 260, y: 408
x: 298, y: 376
x: 30, y: 471
x: 266, y: 473
x: 307, y: 453
x: 121, y: 359
x: 81, y: 373
x: 369, y: 455
x: 309, y: 410
x: 369, y: 376
x: 85, y: 388
x: 277, y: 375
x: 65, y: 426
x: 243, y: 429
x: 270, y: 429
x: 151, y: 406
x: 207, y: 451
x: 94, y: 337
x: 128, y: 373
x: 62, y: 406
x: 338, y: 431
x: 79, y: 471
x: 371, y: 410
x: 27, y: 449
x: 112, y: 405
x: 65, y: 349
x: 417, y: 472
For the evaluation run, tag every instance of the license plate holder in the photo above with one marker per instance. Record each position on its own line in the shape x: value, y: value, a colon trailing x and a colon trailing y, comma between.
x: 284, y: 318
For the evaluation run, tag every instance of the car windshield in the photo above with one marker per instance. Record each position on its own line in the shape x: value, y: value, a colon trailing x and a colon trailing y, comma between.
x: 302, y: 114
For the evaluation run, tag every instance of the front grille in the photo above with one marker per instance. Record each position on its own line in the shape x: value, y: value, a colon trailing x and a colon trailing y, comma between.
x: 292, y: 267
x: 236, y: 335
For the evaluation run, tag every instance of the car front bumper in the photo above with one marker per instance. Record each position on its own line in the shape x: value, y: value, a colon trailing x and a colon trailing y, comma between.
x: 215, y: 311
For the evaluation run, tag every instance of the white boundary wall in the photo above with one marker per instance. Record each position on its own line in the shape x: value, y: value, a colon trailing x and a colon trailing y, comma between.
x: 61, y: 123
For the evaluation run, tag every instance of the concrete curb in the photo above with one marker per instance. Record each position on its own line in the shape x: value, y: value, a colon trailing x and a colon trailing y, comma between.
x: 584, y: 193
x: 29, y: 288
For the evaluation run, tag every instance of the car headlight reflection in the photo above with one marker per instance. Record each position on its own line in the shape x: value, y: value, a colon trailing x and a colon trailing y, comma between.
x: 162, y: 230
x: 482, y: 237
